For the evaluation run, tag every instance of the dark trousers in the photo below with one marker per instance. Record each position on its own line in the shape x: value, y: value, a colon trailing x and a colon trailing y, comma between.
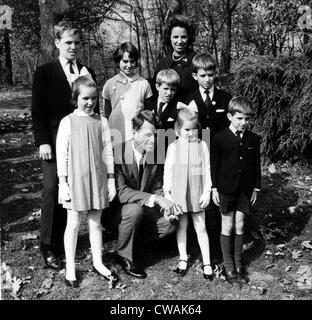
x: 53, y: 215
x: 136, y: 226
x: 213, y: 225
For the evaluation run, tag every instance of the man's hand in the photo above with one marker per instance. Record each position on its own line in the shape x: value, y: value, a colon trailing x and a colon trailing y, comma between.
x: 215, y: 197
x: 111, y: 189
x: 45, y: 152
x: 169, y: 206
x: 64, y: 191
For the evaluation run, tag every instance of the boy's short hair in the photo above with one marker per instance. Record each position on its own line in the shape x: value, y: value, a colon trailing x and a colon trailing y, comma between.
x: 145, y: 115
x: 169, y: 77
x: 66, y: 25
x: 203, y: 61
x: 81, y: 81
x: 126, y: 47
x: 185, y: 114
x: 240, y: 104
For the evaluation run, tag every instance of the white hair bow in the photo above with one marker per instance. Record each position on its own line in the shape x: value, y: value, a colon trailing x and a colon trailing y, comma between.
x: 191, y: 106
x: 71, y: 78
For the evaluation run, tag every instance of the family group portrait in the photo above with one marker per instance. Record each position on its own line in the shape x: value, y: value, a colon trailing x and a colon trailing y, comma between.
x: 156, y: 150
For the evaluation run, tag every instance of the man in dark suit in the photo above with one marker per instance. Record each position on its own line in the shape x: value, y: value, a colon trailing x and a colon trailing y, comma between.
x: 51, y: 101
x: 236, y: 178
x: 144, y: 212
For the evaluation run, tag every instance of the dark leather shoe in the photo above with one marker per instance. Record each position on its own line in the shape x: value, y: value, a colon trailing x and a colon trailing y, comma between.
x: 130, y: 268
x: 181, y: 272
x: 72, y: 283
x: 207, y: 276
x: 51, y: 260
x: 110, y: 277
x: 230, y: 277
x: 241, y: 275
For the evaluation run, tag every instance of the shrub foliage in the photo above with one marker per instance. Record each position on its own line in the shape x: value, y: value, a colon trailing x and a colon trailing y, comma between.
x: 281, y: 91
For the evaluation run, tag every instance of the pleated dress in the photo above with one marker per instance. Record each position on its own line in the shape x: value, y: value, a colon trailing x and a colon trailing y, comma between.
x: 188, y: 178
x: 87, y: 172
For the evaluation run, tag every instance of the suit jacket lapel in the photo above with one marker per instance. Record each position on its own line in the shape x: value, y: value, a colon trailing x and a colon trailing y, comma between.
x: 60, y: 73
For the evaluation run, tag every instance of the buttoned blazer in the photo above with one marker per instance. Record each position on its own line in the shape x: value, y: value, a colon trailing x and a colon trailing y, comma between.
x: 129, y: 188
x: 235, y: 163
x: 51, y: 100
x: 215, y: 116
x: 168, y: 116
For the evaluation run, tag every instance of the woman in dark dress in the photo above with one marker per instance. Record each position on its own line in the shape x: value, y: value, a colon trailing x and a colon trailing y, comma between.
x: 179, y: 34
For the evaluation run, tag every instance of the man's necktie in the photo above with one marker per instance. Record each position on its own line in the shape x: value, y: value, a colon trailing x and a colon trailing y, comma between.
x: 238, y: 134
x: 207, y: 100
x: 141, y: 167
x: 160, y: 109
x: 71, y: 69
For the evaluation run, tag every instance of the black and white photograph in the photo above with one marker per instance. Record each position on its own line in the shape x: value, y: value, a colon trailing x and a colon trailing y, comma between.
x: 156, y: 155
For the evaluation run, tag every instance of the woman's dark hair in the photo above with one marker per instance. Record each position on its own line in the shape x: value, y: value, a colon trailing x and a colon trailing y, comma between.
x: 126, y: 47
x: 145, y: 115
x: 181, y: 21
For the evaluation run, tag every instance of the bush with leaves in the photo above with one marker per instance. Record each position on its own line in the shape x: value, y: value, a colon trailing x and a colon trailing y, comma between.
x: 281, y: 91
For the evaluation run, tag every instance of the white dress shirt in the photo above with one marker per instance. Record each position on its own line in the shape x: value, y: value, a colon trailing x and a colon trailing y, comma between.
x: 203, y: 93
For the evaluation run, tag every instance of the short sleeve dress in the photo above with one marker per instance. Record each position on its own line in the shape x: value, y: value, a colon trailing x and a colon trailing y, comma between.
x: 127, y: 97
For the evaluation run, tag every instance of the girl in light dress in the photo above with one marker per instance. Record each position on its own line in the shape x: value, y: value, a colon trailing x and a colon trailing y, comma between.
x: 124, y: 94
x: 86, y: 175
x: 187, y: 182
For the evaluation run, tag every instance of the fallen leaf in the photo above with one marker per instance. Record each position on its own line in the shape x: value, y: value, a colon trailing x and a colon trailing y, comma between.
x: 296, y: 254
x: 280, y: 246
x: 29, y: 236
x: 272, y: 168
x: 292, y: 209
x: 269, y: 266
x: 167, y: 286
x: 6, y: 277
x: 306, y: 244
x: 16, y: 285
x: 288, y: 268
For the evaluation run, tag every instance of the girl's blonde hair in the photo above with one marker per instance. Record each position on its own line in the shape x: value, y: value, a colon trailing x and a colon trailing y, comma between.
x: 185, y: 114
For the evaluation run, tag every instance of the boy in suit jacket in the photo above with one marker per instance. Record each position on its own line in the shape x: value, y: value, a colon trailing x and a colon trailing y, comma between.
x: 165, y: 107
x: 212, y: 102
x: 236, y: 178
x: 51, y: 101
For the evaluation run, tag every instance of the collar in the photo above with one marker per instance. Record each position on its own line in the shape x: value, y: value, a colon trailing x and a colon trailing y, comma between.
x: 137, y: 154
x: 121, y: 77
x: 231, y: 127
x: 81, y: 113
x: 159, y: 101
x: 64, y: 62
x: 211, y: 91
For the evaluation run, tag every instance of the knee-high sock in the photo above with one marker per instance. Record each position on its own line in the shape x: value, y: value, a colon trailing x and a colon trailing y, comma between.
x: 95, y: 236
x: 70, y: 242
x: 238, y: 250
x: 226, y: 252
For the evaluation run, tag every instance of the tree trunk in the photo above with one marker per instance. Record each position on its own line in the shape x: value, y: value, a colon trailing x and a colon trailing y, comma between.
x: 47, y: 24
x: 8, y: 78
x: 225, y: 64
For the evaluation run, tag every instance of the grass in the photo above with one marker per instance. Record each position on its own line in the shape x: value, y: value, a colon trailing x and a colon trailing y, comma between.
x: 278, y: 263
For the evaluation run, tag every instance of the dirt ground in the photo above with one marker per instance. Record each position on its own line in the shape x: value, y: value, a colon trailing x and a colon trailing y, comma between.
x: 278, y: 248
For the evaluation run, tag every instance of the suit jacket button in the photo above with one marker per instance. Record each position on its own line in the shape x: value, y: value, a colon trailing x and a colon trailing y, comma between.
x: 241, y: 158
